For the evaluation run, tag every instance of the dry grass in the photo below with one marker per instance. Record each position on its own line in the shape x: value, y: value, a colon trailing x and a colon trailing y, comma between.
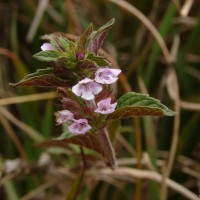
x: 157, y: 47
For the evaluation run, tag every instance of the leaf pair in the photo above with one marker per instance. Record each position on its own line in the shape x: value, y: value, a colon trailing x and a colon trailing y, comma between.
x: 129, y: 105
x: 64, y: 56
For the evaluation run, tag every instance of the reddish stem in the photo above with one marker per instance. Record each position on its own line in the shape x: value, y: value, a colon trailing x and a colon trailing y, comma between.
x: 107, y: 148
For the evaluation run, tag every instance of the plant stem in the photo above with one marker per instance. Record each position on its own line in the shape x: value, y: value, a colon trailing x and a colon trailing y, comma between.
x: 83, y: 158
x: 136, y: 122
x: 107, y: 148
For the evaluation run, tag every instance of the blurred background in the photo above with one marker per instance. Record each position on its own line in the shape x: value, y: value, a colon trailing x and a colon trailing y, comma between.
x: 156, y: 44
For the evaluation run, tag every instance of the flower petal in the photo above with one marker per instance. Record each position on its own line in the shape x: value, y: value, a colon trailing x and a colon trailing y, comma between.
x: 46, y: 47
x: 96, y: 88
x: 64, y: 116
x: 86, y: 80
x: 76, y: 90
x: 87, y: 95
x: 105, y: 106
x: 116, y: 72
x: 87, y: 88
x: 106, y: 75
x: 79, y: 126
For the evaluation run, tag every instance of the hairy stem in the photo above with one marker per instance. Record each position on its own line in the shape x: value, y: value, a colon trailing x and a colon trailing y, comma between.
x: 107, y: 148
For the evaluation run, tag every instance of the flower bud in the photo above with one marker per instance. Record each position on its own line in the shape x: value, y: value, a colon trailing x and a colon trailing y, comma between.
x: 80, y: 55
x: 47, y: 47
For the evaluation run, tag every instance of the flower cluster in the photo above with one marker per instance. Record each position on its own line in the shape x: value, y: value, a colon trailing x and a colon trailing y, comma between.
x: 77, y: 127
x: 88, y: 88
x: 92, y: 90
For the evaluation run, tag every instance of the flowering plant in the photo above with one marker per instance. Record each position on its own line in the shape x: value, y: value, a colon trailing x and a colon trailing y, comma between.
x: 84, y: 79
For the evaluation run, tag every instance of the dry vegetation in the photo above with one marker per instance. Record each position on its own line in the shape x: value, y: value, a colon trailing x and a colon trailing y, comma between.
x: 156, y: 44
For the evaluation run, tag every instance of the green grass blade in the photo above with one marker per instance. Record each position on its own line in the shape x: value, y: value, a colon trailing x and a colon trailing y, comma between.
x: 164, y: 29
x: 11, y: 193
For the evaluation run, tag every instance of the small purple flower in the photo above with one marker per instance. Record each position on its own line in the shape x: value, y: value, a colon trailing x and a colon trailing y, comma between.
x: 79, y: 126
x: 80, y: 55
x: 105, y: 106
x: 47, y: 47
x: 106, y: 75
x: 64, y: 116
x: 86, y: 88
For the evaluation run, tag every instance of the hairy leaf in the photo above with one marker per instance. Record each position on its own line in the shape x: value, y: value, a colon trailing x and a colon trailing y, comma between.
x: 48, y: 56
x: 99, y: 60
x: 86, y: 64
x: 45, y: 80
x: 91, y: 141
x: 136, y: 104
x: 59, y: 43
x: 47, y: 70
x: 42, y: 78
x: 82, y: 42
x: 97, y: 38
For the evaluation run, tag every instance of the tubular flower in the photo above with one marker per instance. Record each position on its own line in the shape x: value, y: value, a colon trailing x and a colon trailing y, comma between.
x: 107, y: 75
x: 64, y: 116
x: 86, y: 88
x: 47, y: 47
x: 105, y: 106
x: 79, y: 126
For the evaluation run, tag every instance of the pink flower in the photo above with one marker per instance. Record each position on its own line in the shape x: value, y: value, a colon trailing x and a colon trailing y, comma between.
x: 105, y: 106
x: 106, y: 75
x: 46, y: 47
x: 79, y: 126
x: 64, y: 116
x: 86, y: 88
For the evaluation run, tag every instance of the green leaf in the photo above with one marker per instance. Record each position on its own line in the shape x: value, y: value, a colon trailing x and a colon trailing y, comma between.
x: 60, y: 43
x: 45, y: 80
x: 82, y: 42
x: 97, y: 37
x: 99, y: 60
x: 107, y: 25
x: 86, y: 64
x: 47, y: 70
x: 74, y: 190
x: 136, y: 104
x: 92, y: 62
x: 42, y: 78
x: 166, y: 28
x: 48, y: 56
x: 10, y: 190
